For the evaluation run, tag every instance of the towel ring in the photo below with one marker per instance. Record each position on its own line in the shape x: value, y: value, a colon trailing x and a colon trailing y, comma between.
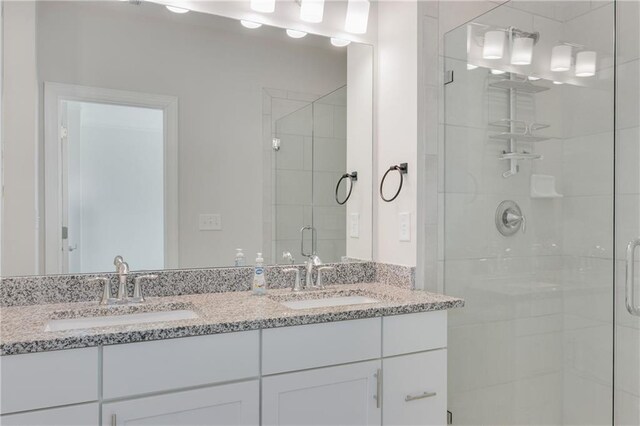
x: 402, y: 169
x: 353, y: 176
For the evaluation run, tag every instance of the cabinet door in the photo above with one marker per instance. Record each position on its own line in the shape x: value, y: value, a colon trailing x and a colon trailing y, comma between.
x: 75, y: 415
x: 344, y: 395
x: 415, y: 389
x: 225, y: 405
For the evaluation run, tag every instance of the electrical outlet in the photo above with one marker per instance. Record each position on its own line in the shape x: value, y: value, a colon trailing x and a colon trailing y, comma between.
x: 354, y: 225
x: 210, y: 222
x: 404, y: 226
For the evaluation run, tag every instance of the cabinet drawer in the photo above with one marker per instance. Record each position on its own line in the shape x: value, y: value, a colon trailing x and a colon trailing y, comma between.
x: 76, y: 415
x: 48, y: 379
x: 318, y: 345
x: 415, y: 389
x: 403, y: 334
x: 138, y: 368
x: 235, y: 404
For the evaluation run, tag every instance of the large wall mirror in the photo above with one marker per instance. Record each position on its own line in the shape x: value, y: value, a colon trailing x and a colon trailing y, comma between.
x: 176, y: 139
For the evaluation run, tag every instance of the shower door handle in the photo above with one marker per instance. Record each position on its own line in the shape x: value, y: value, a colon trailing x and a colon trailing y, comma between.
x: 630, y: 298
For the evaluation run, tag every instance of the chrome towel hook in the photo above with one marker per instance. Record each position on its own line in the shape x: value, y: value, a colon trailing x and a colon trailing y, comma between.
x: 402, y: 168
x: 353, y: 176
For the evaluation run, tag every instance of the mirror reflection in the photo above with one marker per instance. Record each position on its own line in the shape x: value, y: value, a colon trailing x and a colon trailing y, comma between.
x: 183, y: 141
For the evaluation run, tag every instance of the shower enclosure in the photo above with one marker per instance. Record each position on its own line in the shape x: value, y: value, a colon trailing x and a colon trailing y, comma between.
x: 310, y: 157
x: 541, y: 209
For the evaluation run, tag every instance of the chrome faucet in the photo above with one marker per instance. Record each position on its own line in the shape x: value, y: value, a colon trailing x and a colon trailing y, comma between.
x: 312, y: 261
x: 122, y: 269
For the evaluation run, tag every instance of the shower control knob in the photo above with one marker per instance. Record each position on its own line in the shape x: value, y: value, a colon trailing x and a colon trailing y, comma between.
x: 509, y: 218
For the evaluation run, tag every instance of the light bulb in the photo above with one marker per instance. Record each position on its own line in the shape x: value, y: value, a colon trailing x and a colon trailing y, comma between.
x: 296, y: 33
x: 312, y: 10
x: 250, y: 24
x: 339, y: 42
x: 522, y: 51
x: 561, y: 58
x: 586, y: 64
x: 176, y: 9
x: 493, y: 45
x: 264, y: 6
x: 357, y: 16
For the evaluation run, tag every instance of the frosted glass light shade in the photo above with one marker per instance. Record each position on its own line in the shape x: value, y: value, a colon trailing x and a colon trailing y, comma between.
x: 250, y: 24
x: 340, y: 42
x: 312, y: 10
x: 296, y: 33
x: 586, y: 64
x: 522, y: 51
x: 357, y: 17
x: 264, y: 6
x: 493, y: 45
x: 561, y: 58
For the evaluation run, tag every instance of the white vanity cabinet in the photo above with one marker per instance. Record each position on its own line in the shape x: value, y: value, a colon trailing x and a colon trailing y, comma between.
x: 341, y: 396
x: 376, y: 371
x: 235, y: 404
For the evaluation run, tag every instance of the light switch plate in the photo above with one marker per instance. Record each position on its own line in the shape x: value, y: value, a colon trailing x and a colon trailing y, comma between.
x: 210, y: 222
x: 354, y: 225
x: 404, y: 226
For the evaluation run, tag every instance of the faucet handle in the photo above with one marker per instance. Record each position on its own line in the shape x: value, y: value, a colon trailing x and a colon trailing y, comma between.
x: 137, y: 287
x: 297, y: 285
x: 321, y: 271
x: 106, y: 290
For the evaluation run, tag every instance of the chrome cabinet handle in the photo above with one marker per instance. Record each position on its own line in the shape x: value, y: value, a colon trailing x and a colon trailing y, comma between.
x: 421, y: 396
x: 630, y: 298
x: 378, y: 395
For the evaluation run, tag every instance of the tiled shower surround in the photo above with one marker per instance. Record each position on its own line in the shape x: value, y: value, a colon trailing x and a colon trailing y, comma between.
x: 16, y: 291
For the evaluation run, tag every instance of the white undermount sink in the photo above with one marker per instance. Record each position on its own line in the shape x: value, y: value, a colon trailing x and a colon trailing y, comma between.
x: 328, y: 302
x: 114, y: 320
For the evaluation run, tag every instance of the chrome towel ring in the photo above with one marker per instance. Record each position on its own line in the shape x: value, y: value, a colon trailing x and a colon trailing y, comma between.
x: 402, y: 168
x: 353, y: 176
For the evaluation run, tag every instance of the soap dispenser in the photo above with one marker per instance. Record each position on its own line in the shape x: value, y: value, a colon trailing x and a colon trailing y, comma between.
x: 259, y: 286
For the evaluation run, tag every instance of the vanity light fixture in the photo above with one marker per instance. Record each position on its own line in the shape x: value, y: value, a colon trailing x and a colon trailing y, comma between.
x: 295, y: 33
x: 586, y: 63
x: 522, y: 51
x: 176, y: 9
x: 561, y: 58
x: 312, y: 10
x: 264, y: 6
x: 357, y: 16
x: 250, y: 24
x: 493, y: 44
x: 340, y: 42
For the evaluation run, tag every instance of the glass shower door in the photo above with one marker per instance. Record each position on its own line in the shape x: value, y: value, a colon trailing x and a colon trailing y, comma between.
x: 529, y: 214
x: 627, y: 331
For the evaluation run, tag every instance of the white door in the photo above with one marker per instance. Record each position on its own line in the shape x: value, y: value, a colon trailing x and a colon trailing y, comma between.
x: 344, y: 395
x: 415, y: 389
x: 226, y: 405
x: 112, y: 186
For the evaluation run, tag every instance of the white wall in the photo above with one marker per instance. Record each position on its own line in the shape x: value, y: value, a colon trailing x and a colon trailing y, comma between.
x: 397, y: 124
x: 220, y: 119
x: 20, y: 218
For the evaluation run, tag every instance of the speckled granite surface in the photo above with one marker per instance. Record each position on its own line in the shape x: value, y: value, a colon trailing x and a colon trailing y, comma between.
x: 37, y: 290
x: 22, y: 328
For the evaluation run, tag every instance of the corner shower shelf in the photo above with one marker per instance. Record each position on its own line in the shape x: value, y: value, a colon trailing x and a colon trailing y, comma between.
x: 521, y: 86
x: 521, y: 137
x: 519, y: 156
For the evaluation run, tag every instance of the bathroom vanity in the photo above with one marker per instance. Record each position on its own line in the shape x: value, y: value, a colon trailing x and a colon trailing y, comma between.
x: 244, y: 360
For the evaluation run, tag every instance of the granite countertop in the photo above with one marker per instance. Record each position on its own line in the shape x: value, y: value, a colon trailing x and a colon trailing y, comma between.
x: 22, y: 328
